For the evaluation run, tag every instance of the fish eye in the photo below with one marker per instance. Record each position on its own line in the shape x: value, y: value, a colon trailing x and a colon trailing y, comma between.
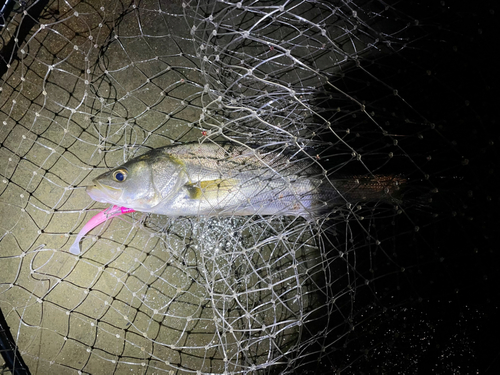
x: 120, y: 175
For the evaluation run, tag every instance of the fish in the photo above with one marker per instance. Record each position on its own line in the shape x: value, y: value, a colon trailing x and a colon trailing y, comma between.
x: 230, y: 179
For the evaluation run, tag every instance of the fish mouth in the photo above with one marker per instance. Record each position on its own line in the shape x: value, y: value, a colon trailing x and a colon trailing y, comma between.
x: 103, y: 194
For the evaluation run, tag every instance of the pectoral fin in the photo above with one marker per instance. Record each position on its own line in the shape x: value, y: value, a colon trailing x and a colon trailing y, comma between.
x: 210, y: 189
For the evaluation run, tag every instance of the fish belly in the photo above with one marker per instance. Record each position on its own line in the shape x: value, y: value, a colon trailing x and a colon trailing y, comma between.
x: 273, y: 197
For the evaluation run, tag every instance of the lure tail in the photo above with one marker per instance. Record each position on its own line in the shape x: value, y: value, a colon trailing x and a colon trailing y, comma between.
x: 98, y: 219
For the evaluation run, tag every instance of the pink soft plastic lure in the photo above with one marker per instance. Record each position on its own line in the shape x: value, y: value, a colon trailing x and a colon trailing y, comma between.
x: 100, y: 218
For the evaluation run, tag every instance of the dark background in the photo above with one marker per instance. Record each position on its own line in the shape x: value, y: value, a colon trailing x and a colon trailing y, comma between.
x: 440, y: 316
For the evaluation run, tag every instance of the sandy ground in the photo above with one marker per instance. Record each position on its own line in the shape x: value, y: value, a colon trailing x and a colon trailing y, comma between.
x: 147, y: 295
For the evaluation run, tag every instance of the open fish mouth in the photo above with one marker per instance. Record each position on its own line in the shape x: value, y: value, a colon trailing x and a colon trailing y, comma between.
x: 103, y: 194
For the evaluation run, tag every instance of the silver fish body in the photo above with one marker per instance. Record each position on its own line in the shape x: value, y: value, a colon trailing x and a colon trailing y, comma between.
x: 230, y: 180
x: 214, y: 179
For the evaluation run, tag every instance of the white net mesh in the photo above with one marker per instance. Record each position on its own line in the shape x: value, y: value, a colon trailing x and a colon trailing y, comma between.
x: 88, y: 85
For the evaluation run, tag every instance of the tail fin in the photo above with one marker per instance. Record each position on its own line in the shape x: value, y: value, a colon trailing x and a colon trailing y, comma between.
x: 371, y: 188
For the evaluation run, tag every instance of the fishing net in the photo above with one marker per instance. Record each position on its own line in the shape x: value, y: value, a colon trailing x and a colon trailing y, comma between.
x: 361, y: 89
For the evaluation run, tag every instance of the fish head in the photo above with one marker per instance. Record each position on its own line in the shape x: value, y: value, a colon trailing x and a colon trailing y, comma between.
x: 140, y: 184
